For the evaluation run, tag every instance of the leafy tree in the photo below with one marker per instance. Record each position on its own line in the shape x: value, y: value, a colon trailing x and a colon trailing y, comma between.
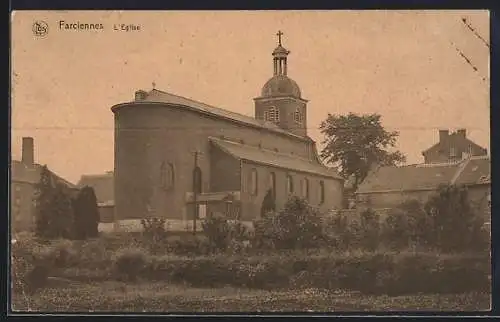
x: 355, y: 142
x: 86, y: 214
x: 44, y: 193
x: 53, y: 210
x: 61, y: 221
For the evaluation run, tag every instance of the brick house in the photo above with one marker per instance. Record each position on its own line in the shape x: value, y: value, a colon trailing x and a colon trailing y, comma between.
x: 452, y: 147
x: 104, y: 191
x: 24, y: 175
x: 387, y: 187
x: 170, y: 150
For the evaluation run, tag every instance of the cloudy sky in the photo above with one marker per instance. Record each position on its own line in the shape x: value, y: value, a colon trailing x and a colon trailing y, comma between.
x: 401, y: 64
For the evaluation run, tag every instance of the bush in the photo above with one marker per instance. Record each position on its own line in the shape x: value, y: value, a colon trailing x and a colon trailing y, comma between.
x: 298, y: 225
x: 190, y: 245
x: 455, y: 225
x: 130, y: 263
x: 370, y: 230
x: 86, y: 214
x: 371, y: 273
x: 155, y: 234
x: 217, y: 230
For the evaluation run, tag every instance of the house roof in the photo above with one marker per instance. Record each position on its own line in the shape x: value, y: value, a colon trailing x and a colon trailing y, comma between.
x: 157, y: 96
x: 475, y: 170
x: 453, y: 139
x: 21, y: 173
x: 103, y: 185
x: 273, y: 158
x: 426, y: 176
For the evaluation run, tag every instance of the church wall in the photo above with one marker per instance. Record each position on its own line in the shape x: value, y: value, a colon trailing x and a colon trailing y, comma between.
x: 146, y: 136
x: 225, y: 171
x: 251, y: 204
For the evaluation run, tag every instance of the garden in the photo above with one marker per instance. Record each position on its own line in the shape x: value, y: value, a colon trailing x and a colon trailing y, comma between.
x: 432, y: 256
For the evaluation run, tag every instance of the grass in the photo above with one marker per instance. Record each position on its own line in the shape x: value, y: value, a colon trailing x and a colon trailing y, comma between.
x: 164, y: 297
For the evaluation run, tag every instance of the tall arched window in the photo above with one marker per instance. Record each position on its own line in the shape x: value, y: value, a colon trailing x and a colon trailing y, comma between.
x: 166, y: 175
x: 272, y: 183
x: 297, y: 116
x: 321, y: 192
x: 289, y: 184
x: 305, y: 188
x: 253, y: 182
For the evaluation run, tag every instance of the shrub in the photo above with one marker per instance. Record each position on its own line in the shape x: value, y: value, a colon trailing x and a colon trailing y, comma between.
x: 455, y: 225
x: 217, y: 230
x: 155, y: 234
x: 86, y: 214
x: 190, y: 245
x: 130, y: 263
x: 370, y: 230
x: 298, y: 225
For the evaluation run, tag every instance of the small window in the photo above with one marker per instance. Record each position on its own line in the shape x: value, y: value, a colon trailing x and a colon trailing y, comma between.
x: 18, y: 188
x: 18, y: 201
x: 297, y: 116
x: 253, y: 182
x: 321, y: 192
x: 305, y: 188
x: 289, y: 184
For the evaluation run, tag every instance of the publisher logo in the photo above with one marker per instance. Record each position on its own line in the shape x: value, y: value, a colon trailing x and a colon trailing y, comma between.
x: 40, y: 28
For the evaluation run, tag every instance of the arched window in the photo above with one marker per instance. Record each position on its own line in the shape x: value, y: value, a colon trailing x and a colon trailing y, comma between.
x: 321, y: 192
x: 297, y: 116
x: 166, y: 175
x: 272, y: 183
x: 253, y: 182
x: 305, y: 188
x: 273, y: 114
x: 289, y: 184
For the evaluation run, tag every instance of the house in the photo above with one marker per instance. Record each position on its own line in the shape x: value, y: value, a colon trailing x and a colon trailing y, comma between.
x: 388, y: 187
x: 452, y: 147
x: 24, y: 175
x: 104, y: 191
x: 178, y: 158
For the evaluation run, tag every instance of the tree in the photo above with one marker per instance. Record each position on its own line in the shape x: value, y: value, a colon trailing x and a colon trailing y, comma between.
x: 62, y: 219
x: 86, y: 214
x: 53, y: 211
x: 455, y: 224
x: 268, y: 204
x: 43, y: 203
x: 355, y: 142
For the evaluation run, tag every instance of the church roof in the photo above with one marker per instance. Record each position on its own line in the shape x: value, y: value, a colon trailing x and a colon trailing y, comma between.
x: 281, y: 85
x: 272, y: 158
x: 158, y: 96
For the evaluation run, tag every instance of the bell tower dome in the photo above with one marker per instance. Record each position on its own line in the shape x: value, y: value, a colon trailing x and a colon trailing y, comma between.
x: 281, y: 100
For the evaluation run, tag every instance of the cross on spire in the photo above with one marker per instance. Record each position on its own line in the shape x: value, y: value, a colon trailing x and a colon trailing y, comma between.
x: 279, y: 34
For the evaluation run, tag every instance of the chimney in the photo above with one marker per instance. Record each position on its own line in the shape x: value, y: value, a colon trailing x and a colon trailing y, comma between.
x: 140, y: 95
x: 461, y: 133
x: 443, y: 135
x: 28, y: 156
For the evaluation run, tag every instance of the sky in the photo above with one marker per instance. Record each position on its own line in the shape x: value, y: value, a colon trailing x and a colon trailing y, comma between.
x: 402, y: 65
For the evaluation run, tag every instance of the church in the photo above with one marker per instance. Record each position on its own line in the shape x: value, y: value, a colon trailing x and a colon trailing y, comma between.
x: 181, y: 159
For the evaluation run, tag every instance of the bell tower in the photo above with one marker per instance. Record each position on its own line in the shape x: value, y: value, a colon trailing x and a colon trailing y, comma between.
x: 281, y: 100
